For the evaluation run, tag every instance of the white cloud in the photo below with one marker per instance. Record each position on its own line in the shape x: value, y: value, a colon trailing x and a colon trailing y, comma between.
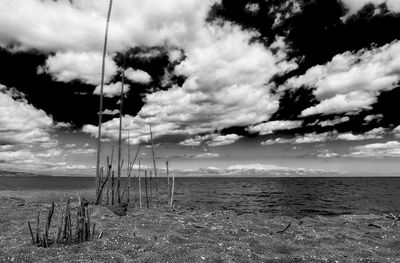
x: 277, y: 141
x: 388, y: 149
x: 356, y: 5
x: 205, y: 155
x: 211, y: 140
x: 83, y: 151
x: 351, y: 81
x: 22, y: 156
x: 333, y: 122
x: 79, y: 25
x: 138, y: 75
x: 225, y: 87
x: 83, y: 66
x: 110, y: 112
x: 68, y: 146
x: 341, y: 103
x: 271, y: 126
x: 327, y: 154
x: 312, y: 137
x: 221, y: 140
x: 369, y: 118
x: 350, y: 137
x: 22, y: 123
x: 376, y: 133
x: 49, y: 153
x: 112, y: 90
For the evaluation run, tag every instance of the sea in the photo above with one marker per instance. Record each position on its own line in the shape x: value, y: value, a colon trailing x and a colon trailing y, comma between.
x: 296, y: 197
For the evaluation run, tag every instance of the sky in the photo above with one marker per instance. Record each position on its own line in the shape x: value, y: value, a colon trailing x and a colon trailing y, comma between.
x: 229, y: 88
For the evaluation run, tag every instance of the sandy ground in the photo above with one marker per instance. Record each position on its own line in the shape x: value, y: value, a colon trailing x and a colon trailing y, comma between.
x: 190, y: 235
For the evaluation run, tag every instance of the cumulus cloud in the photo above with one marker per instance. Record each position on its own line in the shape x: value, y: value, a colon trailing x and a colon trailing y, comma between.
x: 370, y: 118
x: 112, y: 90
x: 271, y: 126
x: 327, y: 154
x: 138, y: 75
x: 376, y: 133
x: 82, y: 66
x: 277, y: 141
x: 351, y: 81
x: 356, y: 5
x: 21, y: 122
x: 211, y: 140
x: 388, y: 149
x: 110, y: 112
x: 79, y: 25
x: 225, y: 86
x: 333, y: 122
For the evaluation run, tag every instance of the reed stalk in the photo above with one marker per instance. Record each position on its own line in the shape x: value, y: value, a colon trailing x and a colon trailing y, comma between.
x: 145, y: 186
x: 172, y: 190
x: 120, y: 139
x: 140, y: 187
x: 101, y: 93
x: 154, y: 163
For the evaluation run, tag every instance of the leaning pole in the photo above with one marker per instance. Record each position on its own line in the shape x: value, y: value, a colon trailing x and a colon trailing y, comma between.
x: 101, y: 96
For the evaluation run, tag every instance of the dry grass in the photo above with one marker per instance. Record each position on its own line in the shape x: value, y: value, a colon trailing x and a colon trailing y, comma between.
x: 183, y: 235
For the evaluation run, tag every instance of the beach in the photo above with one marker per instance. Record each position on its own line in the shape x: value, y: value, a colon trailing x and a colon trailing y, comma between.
x: 187, y: 234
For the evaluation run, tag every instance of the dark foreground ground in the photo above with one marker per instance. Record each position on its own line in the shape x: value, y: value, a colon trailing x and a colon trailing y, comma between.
x: 189, y: 235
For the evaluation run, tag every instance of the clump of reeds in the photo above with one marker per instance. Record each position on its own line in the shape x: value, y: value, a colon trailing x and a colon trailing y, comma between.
x: 67, y: 232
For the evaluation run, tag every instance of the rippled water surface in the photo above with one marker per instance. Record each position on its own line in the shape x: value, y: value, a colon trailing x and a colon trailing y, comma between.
x: 274, y: 196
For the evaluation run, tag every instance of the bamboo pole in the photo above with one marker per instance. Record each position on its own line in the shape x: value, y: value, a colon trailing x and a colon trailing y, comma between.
x: 140, y: 187
x: 172, y: 190
x: 101, y: 93
x: 151, y: 188
x: 154, y: 163
x: 129, y: 170
x: 120, y: 139
x: 168, y: 187
x: 112, y: 188
x: 30, y: 230
x: 145, y: 186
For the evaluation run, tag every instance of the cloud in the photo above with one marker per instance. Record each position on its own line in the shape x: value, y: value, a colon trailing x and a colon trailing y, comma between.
x: 271, y: 126
x: 83, y: 151
x: 333, y: 122
x: 203, y: 155
x: 68, y: 146
x: 388, y: 149
x: 82, y: 66
x: 351, y: 81
x: 211, y: 140
x: 225, y: 86
x: 376, y: 133
x: 276, y: 141
x: 21, y: 122
x: 356, y: 5
x: 112, y: 90
x: 138, y: 75
x: 369, y: 118
x: 110, y: 112
x: 327, y: 154
x: 79, y: 25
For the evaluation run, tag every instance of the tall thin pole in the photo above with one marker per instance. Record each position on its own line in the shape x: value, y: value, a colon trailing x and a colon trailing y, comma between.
x: 154, y: 163
x: 101, y: 91
x: 120, y: 139
x: 139, y: 185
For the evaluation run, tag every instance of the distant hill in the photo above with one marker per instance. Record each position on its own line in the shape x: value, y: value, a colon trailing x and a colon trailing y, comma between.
x: 18, y: 174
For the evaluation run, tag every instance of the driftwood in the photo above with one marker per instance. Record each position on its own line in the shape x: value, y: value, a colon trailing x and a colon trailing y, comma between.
x: 283, y: 231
